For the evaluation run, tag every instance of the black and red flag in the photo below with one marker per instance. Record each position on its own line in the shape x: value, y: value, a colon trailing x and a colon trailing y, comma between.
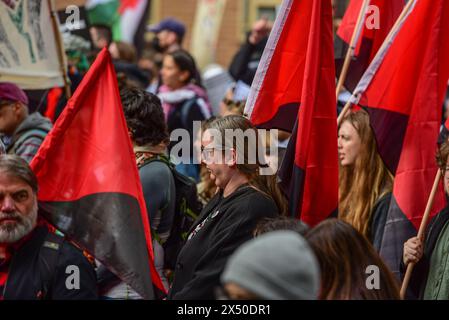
x: 378, y: 20
x: 89, y: 187
x: 402, y: 91
x: 275, y: 93
x: 309, y: 172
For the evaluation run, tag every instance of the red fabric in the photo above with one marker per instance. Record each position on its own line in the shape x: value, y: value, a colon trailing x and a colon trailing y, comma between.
x: 309, y: 171
x: 316, y: 144
x: 89, y: 151
x: 411, y: 81
x: 389, y: 11
x: 52, y: 102
x: 283, y: 80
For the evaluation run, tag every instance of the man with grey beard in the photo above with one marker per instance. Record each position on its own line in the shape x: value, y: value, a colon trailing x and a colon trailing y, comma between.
x: 35, y: 263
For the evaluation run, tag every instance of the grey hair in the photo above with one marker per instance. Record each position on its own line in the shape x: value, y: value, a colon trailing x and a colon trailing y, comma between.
x: 19, y: 168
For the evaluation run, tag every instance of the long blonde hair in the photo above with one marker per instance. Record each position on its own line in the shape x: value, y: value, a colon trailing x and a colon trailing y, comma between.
x: 264, y: 183
x: 365, y: 182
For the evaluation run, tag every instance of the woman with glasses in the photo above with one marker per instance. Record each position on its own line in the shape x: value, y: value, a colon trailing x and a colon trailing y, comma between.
x: 365, y: 184
x: 228, y: 220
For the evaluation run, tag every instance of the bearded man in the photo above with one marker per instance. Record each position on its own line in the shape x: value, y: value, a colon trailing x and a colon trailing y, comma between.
x: 35, y: 263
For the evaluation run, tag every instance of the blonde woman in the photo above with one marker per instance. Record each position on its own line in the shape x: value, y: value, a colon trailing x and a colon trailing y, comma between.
x: 365, y: 184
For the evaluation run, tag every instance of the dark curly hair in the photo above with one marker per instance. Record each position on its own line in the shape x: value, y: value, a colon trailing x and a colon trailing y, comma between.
x: 144, y: 116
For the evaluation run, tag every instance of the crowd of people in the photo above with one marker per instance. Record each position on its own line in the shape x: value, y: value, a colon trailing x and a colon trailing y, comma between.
x: 243, y: 243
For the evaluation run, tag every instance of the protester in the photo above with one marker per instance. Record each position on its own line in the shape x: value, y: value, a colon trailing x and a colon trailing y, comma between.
x: 229, y: 219
x: 365, y: 184
x: 429, y: 279
x: 278, y: 266
x: 184, y: 101
x: 34, y: 262
x: 245, y: 62
x: 206, y: 187
x: 101, y: 36
x: 280, y: 223
x: 230, y: 104
x: 148, y: 132
x: 123, y: 51
x: 169, y: 33
x: 346, y: 261
x: 151, y: 63
x: 25, y: 132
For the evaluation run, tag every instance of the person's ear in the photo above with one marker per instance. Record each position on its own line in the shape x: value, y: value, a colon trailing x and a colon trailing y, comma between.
x: 184, y: 76
x: 230, y: 157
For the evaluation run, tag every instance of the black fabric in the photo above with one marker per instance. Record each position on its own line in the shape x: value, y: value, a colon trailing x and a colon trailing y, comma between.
x: 244, y: 64
x: 105, y: 233
x: 25, y: 278
x: 204, y: 256
x: 182, y: 116
x: 418, y: 279
x: 378, y: 220
x: 389, y: 129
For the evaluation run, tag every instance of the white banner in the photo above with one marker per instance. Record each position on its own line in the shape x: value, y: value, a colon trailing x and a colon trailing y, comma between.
x: 28, y: 51
x: 206, y: 30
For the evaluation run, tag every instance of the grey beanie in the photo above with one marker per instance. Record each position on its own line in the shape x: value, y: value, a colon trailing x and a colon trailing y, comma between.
x: 277, y: 265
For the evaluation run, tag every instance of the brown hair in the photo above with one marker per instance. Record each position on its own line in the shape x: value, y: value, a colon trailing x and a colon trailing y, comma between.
x: 266, y: 184
x: 442, y: 155
x: 127, y: 52
x: 362, y: 184
x: 344, y: 255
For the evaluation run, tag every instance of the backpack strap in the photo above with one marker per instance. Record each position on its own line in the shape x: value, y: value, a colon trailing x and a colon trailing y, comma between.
x: 185, y: 109
x: 48, y: 260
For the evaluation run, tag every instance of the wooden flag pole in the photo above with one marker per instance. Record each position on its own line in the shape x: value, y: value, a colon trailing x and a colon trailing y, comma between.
x: 351, y: 49
x: 60, y: 49
x: 385, y: 43
x: 421, y: 230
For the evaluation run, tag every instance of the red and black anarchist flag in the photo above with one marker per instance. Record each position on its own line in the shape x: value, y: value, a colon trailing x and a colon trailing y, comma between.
x: 403, y: 90
x: 275, y: 93
x: 377, y: 23
x: 300, y: 91
x: 89, y: 187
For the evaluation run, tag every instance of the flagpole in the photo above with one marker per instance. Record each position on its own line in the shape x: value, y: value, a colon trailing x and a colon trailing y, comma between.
x: 60, y: 49
x: 421, y: 230
x: 350, y: 53
x: 386, y: 41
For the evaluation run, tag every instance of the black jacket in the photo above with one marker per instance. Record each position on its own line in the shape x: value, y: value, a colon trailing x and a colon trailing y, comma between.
x: 203, y: 258
x: 25, y: 277
x: 378, y: 220
x: 245, y: 62
x: 418, y: 279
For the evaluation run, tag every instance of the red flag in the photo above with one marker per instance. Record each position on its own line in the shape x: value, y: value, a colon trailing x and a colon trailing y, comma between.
x: 89, y: 187
x: 310, y: 166
x: 275, y: 94
x: 403, y: 91
x: 373, y: 34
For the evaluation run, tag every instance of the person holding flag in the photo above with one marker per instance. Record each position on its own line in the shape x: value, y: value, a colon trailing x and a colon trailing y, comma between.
x: 429, y: 279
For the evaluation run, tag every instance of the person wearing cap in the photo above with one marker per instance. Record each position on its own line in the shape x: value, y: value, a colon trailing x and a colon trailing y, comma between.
x: 170, y: 33
x: 278, y: 265
x: 25, y: 131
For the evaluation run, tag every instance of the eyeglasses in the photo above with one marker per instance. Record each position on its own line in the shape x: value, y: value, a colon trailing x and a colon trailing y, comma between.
x: 207, y: 153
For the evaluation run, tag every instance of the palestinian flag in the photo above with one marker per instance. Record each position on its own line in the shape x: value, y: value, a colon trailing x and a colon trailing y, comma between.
x: 378, y: 20
x: 89, y: 187
x: 402, y: 91
x: 297, y: 92
x: 127, y: 18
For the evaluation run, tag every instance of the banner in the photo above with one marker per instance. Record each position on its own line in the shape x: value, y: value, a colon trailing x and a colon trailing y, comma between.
x: 28, y: 52
x: 206, y: 30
